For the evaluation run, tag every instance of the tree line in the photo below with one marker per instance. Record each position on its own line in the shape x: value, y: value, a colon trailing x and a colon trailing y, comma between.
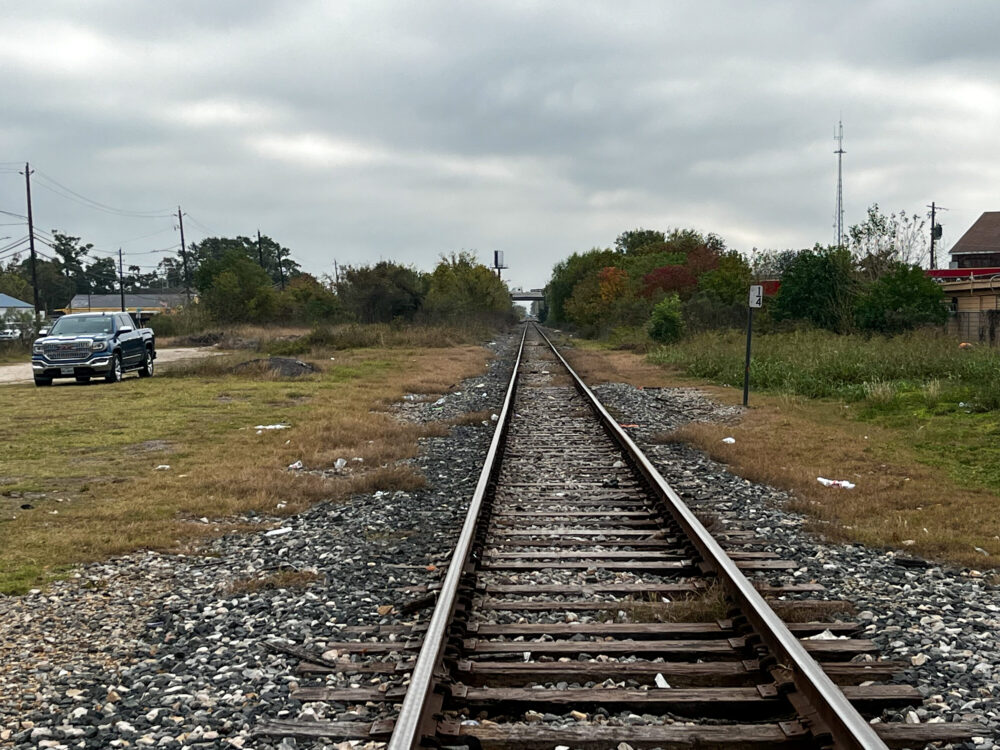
x: 669, y: 283
x: 253, y: 280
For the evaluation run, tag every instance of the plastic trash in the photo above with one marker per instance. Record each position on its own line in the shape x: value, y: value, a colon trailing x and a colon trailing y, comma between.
x: 279, y: 532
x: 494, y: 417
x: 826, y: 635
x: 339, y: 464
x: 661, y: 681
x: 835, y: 483
x: 272, y: 427
x: 162, y: 467
x: 296, y: 465
x: 439, y: 402
x: 729, y: 440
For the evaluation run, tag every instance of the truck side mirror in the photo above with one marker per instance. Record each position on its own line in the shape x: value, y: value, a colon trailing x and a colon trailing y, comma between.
x: 43, y: 331
x: 125, y: 329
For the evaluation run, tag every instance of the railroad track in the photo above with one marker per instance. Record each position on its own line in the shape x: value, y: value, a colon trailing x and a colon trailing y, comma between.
x: 586, y: 606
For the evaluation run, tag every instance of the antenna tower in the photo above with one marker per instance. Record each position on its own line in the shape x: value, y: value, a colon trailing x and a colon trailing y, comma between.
x: 839, y: 221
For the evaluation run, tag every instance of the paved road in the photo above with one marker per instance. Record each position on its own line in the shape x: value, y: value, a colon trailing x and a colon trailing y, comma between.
x: 22, y: 373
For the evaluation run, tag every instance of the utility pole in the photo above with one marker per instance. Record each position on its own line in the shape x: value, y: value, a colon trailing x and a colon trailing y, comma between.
x: 336, y: 272
x: 260, y: 251
x: 31, y: 240
x: 936, y: 230
x: 184, y: 260
x: 121, y: 278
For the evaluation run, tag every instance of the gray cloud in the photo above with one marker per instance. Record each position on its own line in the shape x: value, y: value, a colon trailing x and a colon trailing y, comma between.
x: 360, y: 131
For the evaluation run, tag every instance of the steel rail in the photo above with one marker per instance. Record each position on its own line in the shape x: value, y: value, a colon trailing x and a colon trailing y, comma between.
x: 406, y: 733
x: 847, y: 727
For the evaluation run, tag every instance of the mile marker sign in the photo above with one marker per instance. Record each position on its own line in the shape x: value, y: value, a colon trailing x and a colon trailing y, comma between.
x: 756, y: 300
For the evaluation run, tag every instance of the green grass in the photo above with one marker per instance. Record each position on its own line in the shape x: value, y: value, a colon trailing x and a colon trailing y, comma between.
x: 819, y: 364
x: 945, y: 399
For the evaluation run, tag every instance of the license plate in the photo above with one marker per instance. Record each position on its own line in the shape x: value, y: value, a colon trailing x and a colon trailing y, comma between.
x: 66, y: 370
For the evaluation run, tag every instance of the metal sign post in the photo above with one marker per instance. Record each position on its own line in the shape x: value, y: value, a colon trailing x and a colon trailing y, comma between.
x: 756, y: 300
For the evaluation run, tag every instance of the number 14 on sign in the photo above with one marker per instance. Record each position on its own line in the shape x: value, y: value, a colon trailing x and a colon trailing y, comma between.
x: 756, y: 300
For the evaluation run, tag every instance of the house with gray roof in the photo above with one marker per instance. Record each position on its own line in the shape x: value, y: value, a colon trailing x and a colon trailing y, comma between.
x: 979, y: 247
x: 10, y: 306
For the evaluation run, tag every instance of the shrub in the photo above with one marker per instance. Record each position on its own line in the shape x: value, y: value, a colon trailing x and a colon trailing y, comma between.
x: 666, y: 324
x: 902, y: 299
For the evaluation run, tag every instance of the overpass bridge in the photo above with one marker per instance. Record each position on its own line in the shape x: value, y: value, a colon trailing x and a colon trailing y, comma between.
x: 530, y: 295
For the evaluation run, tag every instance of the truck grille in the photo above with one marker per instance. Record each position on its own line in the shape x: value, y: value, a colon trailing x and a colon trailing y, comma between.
x: 70, y: 350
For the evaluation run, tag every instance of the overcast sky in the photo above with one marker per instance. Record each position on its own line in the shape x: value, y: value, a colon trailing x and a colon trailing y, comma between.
x: 360, y: 131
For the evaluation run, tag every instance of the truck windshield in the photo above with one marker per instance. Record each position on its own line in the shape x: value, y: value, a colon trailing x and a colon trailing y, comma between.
x: 89, y: 324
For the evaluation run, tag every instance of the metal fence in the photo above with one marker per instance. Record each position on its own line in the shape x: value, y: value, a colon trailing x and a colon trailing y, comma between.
x: 976, y: 326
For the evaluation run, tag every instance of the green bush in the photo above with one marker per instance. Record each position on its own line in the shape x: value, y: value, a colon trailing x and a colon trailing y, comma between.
x: 184, y: 322
x: 666, y: 324
x: 820, y: 364
x: 900, y: 300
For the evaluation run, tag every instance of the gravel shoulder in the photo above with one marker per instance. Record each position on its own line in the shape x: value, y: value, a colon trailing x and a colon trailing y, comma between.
x: 21, y: 373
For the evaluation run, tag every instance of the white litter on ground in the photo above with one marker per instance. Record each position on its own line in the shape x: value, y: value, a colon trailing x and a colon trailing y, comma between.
x: 826, y: 635
x: 835, y: 483
x: 279, y: 532
x: 162, y: 467
x: 296, y: 465
x: 729, y: 440
x: 272, y: 427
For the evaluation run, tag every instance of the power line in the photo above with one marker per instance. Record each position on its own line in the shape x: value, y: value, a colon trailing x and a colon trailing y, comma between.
x: 14, y: 244
x: 199, y: 224
x: 71, y: 194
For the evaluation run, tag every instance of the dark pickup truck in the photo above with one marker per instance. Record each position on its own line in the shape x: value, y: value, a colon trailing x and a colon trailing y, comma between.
x: 87, y: 345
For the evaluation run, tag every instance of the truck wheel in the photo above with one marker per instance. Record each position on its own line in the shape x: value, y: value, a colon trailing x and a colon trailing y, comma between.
x: 146, y: 370
x: 42, y: 381
x: 115, y: 373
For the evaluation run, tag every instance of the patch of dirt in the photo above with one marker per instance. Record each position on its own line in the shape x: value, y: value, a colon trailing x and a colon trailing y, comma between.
x: 208, y: 338
x: 283, y: 366
x: 150, y: 446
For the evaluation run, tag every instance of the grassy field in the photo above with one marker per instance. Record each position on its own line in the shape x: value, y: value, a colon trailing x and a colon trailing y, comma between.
x: 79, y: 478
x: 910, y: 421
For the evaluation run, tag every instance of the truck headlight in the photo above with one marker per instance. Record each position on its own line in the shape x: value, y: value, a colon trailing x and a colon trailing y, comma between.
x: 96, y: 346
x: 36, y: 349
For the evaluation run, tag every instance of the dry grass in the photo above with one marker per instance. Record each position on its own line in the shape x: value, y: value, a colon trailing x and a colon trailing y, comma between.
x: 94, y: 490
x: 598, y: 366
x: 284, y: 579
x: 707, y: 606
x: 897, y: 502
x: 471, y: 418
